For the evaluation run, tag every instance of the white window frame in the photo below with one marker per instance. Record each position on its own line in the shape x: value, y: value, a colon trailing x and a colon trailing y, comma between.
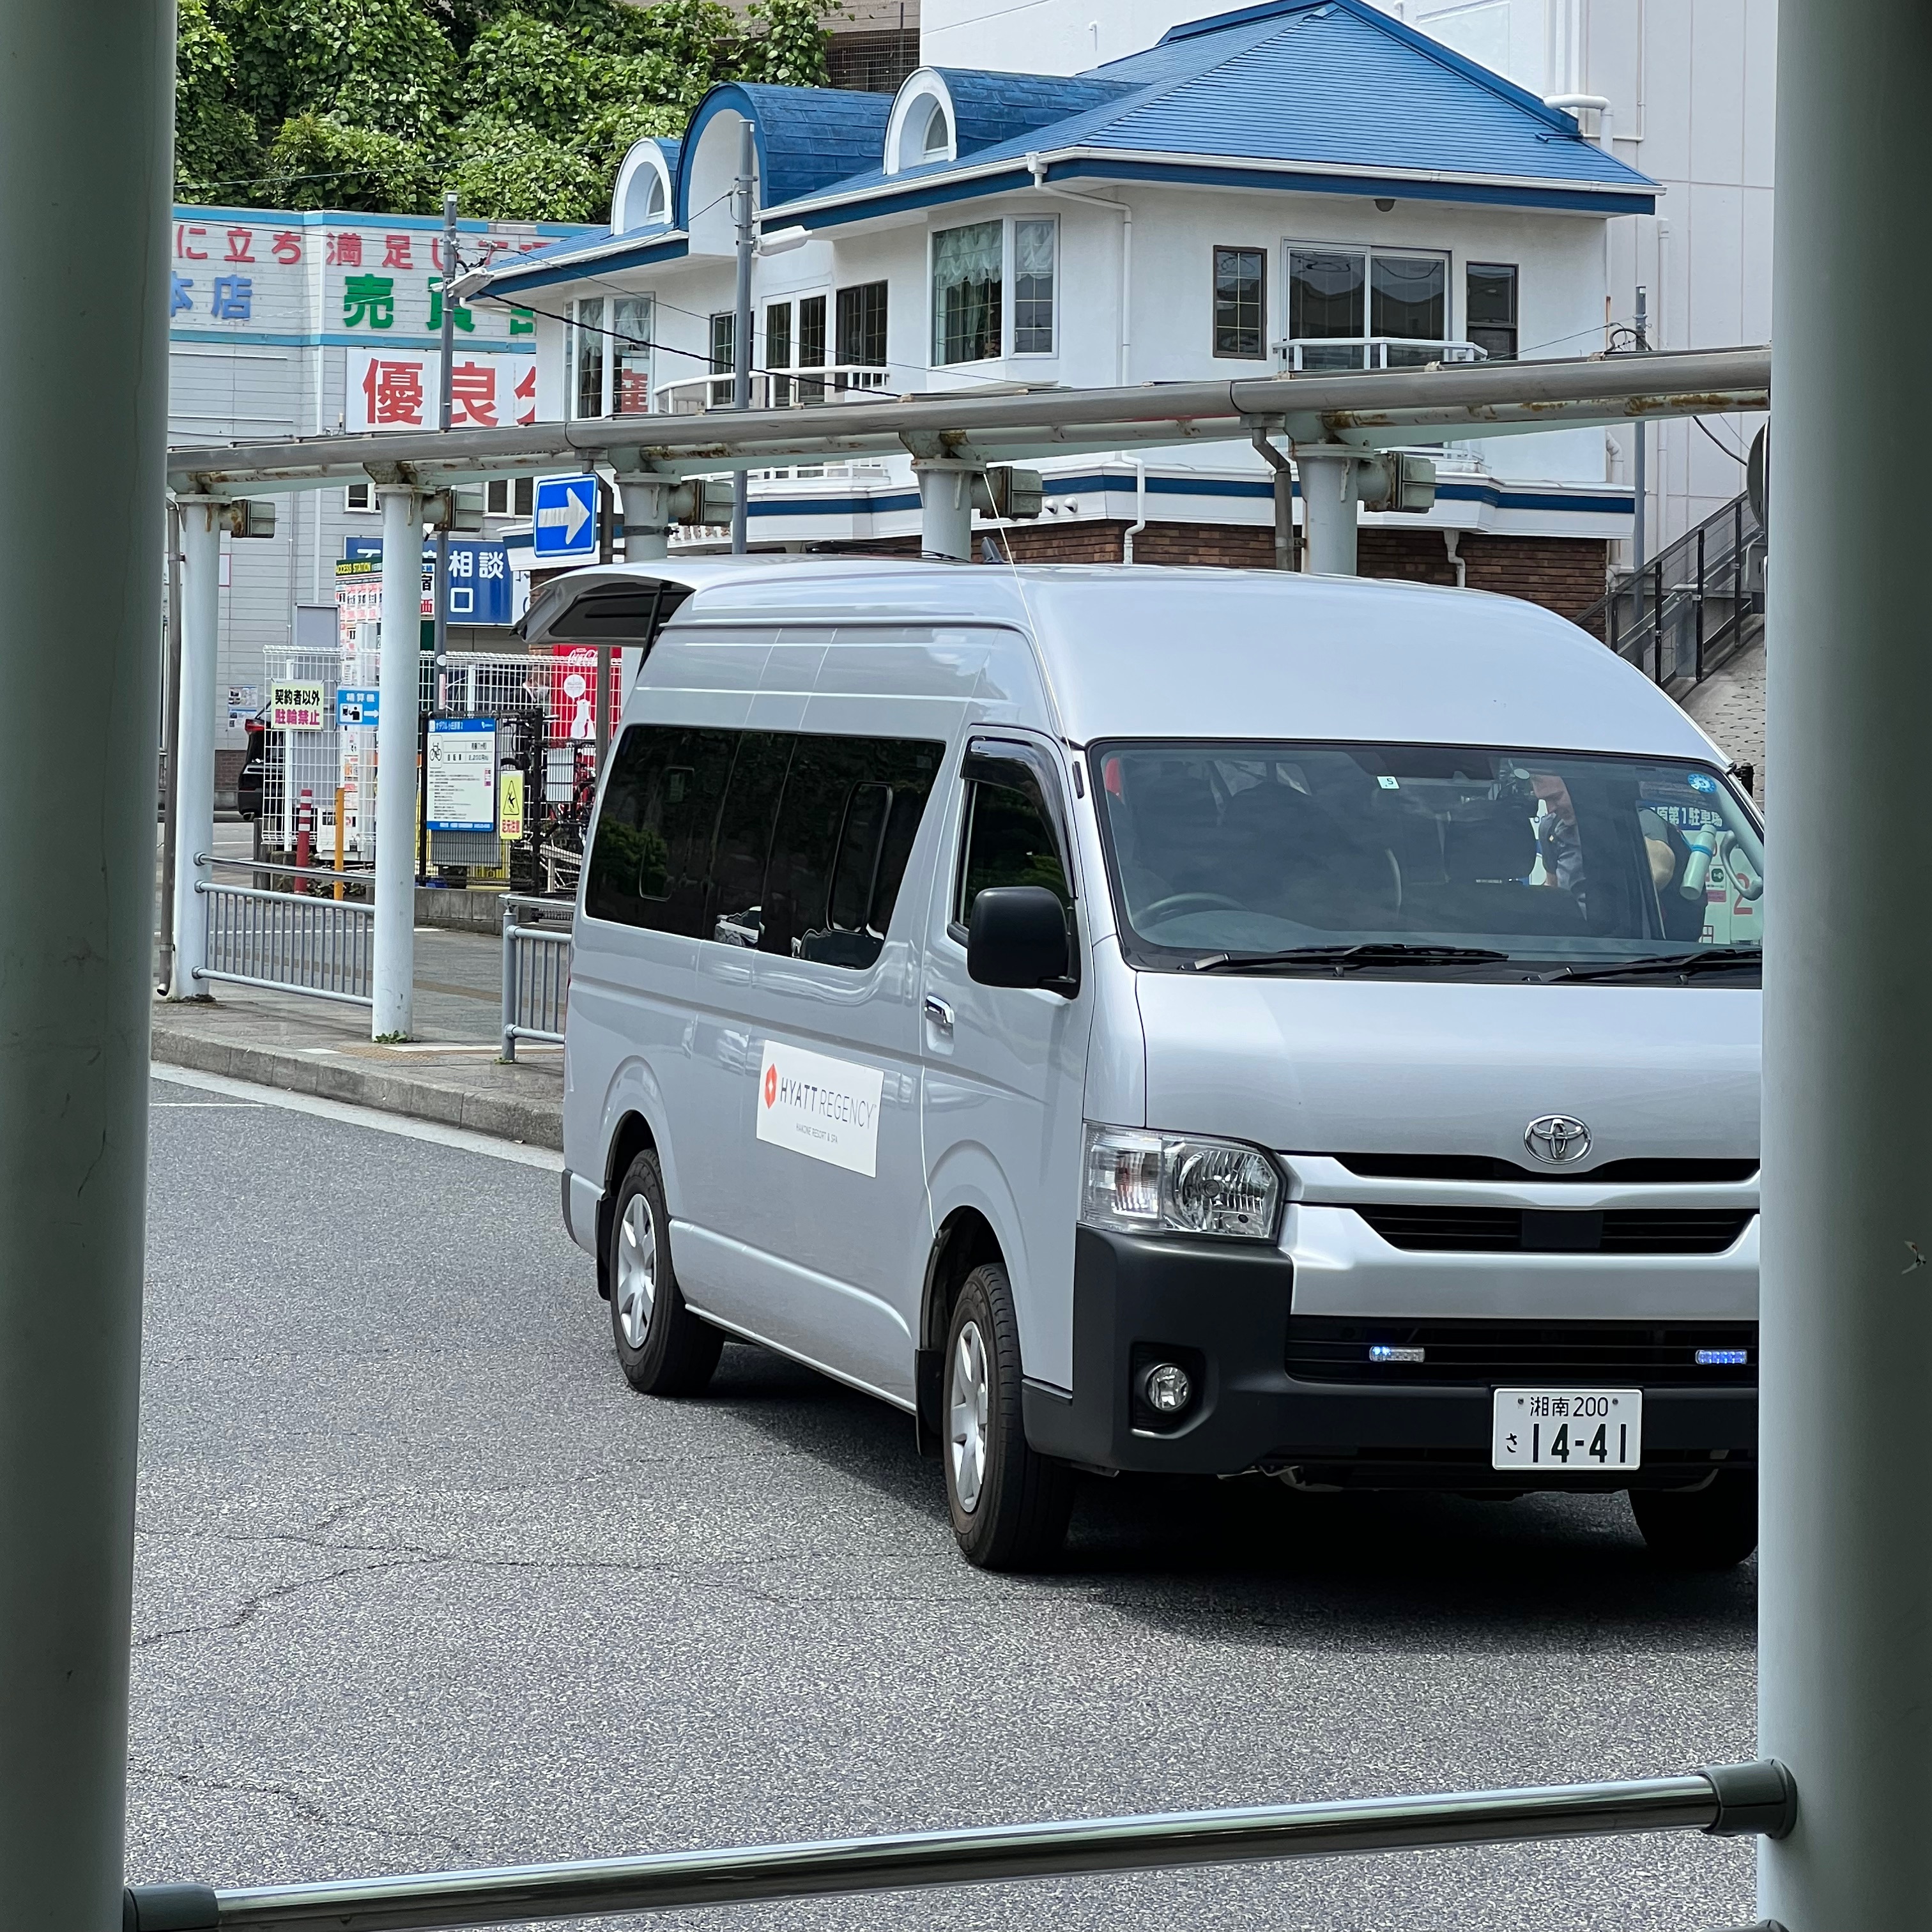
x: 607, y: 342
x: 1008, y: 246
x: 368, y: 507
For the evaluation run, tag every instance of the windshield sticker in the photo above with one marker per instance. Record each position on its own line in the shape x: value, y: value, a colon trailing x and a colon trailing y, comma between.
x: 826, y: 1109
x: 1701, y: 781
x: 1388, y: 784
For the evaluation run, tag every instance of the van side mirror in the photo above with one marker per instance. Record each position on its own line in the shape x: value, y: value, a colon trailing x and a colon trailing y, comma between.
x: 1018, y: 938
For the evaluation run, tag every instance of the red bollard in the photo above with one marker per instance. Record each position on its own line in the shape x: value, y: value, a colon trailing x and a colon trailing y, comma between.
x: 304, y: 831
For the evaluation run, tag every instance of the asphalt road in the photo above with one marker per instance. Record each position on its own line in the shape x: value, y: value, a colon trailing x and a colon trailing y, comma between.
x: 421, y: 1583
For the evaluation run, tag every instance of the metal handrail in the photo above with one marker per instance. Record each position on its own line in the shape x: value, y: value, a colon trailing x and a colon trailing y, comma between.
x: 775, y: 389
x: 327, y: 875
x: 552, y: 989
x: 1726, y: 1800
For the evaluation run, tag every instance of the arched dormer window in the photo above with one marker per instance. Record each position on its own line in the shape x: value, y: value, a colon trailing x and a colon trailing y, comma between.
x: 923, y: 128
x: 937, y: 144
x: 656, y: 203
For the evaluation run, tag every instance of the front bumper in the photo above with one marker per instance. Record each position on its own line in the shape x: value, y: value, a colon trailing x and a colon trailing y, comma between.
x: 1225, y: 1312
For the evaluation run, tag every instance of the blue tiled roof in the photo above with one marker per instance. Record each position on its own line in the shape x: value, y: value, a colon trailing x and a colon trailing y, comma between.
x: 989, y: 108
x: 808, y: 137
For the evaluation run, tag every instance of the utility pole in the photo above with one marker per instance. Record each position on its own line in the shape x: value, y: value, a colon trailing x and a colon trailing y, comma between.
x: 1845, y: 1571
x: 84, y: 155
x: 443, y: 412
x: 1643, y: 433
x: 741, y: 329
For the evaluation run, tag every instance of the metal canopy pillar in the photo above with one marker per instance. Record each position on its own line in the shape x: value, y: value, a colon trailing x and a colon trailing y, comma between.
x: 945, y: 506
x: 645, y: 497
x: 1845, y: 1578
x: 1328, y: 496
x: 85, y: 94
x: 397, y: 718
x: 192, y: 780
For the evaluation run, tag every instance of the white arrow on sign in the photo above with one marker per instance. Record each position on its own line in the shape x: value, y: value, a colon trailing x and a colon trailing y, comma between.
x: 579, y: 516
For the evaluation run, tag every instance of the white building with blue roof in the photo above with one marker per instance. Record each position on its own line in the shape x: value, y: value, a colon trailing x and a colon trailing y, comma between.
x: 1301, y: 185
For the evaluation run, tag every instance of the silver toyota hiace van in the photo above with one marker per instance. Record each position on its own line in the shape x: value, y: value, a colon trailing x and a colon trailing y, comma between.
x: 1167, y: 1020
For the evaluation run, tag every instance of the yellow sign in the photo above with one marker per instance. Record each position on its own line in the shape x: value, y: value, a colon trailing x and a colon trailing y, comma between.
x: 510, y: 806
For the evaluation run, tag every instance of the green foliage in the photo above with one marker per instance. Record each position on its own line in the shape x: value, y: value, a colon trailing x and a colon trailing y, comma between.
x: 525, y: 107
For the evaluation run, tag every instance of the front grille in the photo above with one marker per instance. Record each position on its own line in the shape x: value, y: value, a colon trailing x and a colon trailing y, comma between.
x: 1482, y: 1167
x: 1329, y: 1349
x: 1559, y: 1230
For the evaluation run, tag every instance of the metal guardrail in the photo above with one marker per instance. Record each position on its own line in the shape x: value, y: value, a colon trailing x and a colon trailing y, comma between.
x: 1680, y: 616
x: 288, y: 943
x: 536, y: 973
x: 1727, y: 1801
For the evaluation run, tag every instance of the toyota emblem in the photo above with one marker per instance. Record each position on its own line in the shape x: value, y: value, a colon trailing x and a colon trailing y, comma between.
x: 1557, y: 1139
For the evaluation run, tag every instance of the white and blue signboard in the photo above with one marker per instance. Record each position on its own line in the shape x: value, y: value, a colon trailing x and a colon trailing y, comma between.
x: 459, y: 774
x: 479, y: 576
x: 358, y: 710
x: 564, y: 528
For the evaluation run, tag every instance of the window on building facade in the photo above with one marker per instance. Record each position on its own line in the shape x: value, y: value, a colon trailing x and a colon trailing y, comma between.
x: 508, y: 496
x: 632, y: 320
x: 724, y: 359
x: 778, y: 351
x: 938, y: 135
x: 967, y: 266
x: 1036, y: 265
x: 360, y: 496
x: 862, y: 325
x: 1346, y: 295
x: 1240, y: 301
x: 587, y: 358
x: 1489, y: 311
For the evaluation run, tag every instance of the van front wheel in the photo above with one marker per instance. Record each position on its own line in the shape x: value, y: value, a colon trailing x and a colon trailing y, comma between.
x: 663, y: 1349
x: 1009, y: 1504
x: 1714, y: 1528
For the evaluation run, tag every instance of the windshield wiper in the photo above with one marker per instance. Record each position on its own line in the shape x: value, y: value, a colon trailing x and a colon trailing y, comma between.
x: 1705, y: 959
x: 1385, y: 952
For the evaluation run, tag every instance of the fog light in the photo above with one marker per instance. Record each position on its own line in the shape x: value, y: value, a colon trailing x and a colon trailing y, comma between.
x: 1166, y: 1389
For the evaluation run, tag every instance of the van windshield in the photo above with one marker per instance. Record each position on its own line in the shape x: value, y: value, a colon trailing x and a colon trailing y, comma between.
x: 1228, y: 856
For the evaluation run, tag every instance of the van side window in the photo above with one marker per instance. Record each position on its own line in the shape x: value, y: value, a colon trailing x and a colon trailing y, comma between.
x: 845, y: 828
x: 734, y: 906
x: 651, y: 850
x: 1010, y: 839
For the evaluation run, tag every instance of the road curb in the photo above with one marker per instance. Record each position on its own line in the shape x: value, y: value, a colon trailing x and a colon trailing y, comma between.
x: 535, y: 1123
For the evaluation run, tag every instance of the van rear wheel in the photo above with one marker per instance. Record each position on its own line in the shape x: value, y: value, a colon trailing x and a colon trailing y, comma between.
x: 663, y: 1349
x: 1714, y: 1528
x: 1008, y: 1503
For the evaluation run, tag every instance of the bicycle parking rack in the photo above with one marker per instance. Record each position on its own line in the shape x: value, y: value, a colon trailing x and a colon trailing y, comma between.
x: 1725, y: 1801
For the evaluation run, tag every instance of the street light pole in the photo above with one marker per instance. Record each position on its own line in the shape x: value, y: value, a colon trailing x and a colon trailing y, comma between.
x: 1845, y: 1574
x: 85, y: 124
x: 443, y: 412
x: 741, y: 331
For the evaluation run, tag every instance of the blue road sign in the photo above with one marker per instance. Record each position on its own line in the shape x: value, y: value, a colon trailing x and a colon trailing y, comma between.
x: 358, y: 707
x: 566, y: 526
x: 479, y: 576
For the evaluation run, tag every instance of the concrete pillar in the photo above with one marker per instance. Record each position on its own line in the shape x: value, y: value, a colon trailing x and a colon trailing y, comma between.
x: 1845, y: 1576
x: 945, y: 507
x: 395, y: 963
x: 86, y: 125
x: 646, y: 512
x: 201, y: 518
x: 1328, y: 495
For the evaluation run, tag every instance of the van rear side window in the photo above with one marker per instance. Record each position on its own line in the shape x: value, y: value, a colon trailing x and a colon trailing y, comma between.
x: 790, y: 842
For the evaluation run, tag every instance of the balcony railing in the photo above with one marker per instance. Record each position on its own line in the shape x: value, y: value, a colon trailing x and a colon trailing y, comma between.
x: 1334, y: 354
x: 776, y: 389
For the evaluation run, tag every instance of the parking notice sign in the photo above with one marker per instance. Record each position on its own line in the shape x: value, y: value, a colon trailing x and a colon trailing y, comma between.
x: 296, y: 707
x: 460, y: 774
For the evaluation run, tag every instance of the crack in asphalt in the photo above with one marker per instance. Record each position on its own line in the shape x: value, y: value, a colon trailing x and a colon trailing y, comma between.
x: 252, y: 1605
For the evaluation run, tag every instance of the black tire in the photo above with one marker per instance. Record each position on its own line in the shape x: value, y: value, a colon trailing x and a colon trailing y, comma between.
x: 1714, y: 1528
x: 663, y: 1349
x: 1013, y: 1513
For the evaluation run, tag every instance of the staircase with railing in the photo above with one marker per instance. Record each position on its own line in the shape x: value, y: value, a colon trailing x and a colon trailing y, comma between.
x: 1696, y: 603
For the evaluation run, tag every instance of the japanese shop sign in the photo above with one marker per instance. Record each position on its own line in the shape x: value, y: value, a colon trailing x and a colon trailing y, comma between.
x: 479, y: 583
x: 295, y: 707
x: 397, y: 390
x: 337, y: 278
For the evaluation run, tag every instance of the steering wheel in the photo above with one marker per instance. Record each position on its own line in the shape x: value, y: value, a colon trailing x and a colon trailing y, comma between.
x: 1177, y: 902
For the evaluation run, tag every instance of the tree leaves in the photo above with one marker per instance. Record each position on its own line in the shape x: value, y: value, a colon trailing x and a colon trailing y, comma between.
x: 525, y: 109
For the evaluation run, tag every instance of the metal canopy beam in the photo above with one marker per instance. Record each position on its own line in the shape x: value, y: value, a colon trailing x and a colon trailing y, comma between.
x: 1405, y: 407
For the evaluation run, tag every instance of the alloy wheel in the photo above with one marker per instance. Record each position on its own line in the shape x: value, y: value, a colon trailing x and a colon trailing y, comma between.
x: 636, y: 1271
x: 966, y: 1401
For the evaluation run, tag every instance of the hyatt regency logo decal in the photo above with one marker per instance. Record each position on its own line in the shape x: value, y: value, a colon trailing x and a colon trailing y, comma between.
x: 826, y: 1109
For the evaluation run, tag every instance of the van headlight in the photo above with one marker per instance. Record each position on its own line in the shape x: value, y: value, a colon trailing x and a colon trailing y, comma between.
x: 1137, y: 1183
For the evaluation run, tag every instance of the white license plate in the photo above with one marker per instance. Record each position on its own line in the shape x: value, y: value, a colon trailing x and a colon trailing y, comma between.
x: 1578, y: 1429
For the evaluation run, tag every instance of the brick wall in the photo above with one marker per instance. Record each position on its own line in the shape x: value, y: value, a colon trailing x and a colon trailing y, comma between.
x: 1563, y: 574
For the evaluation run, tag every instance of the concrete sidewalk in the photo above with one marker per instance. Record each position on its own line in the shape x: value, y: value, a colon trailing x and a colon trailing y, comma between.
x: 449, y: 1073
